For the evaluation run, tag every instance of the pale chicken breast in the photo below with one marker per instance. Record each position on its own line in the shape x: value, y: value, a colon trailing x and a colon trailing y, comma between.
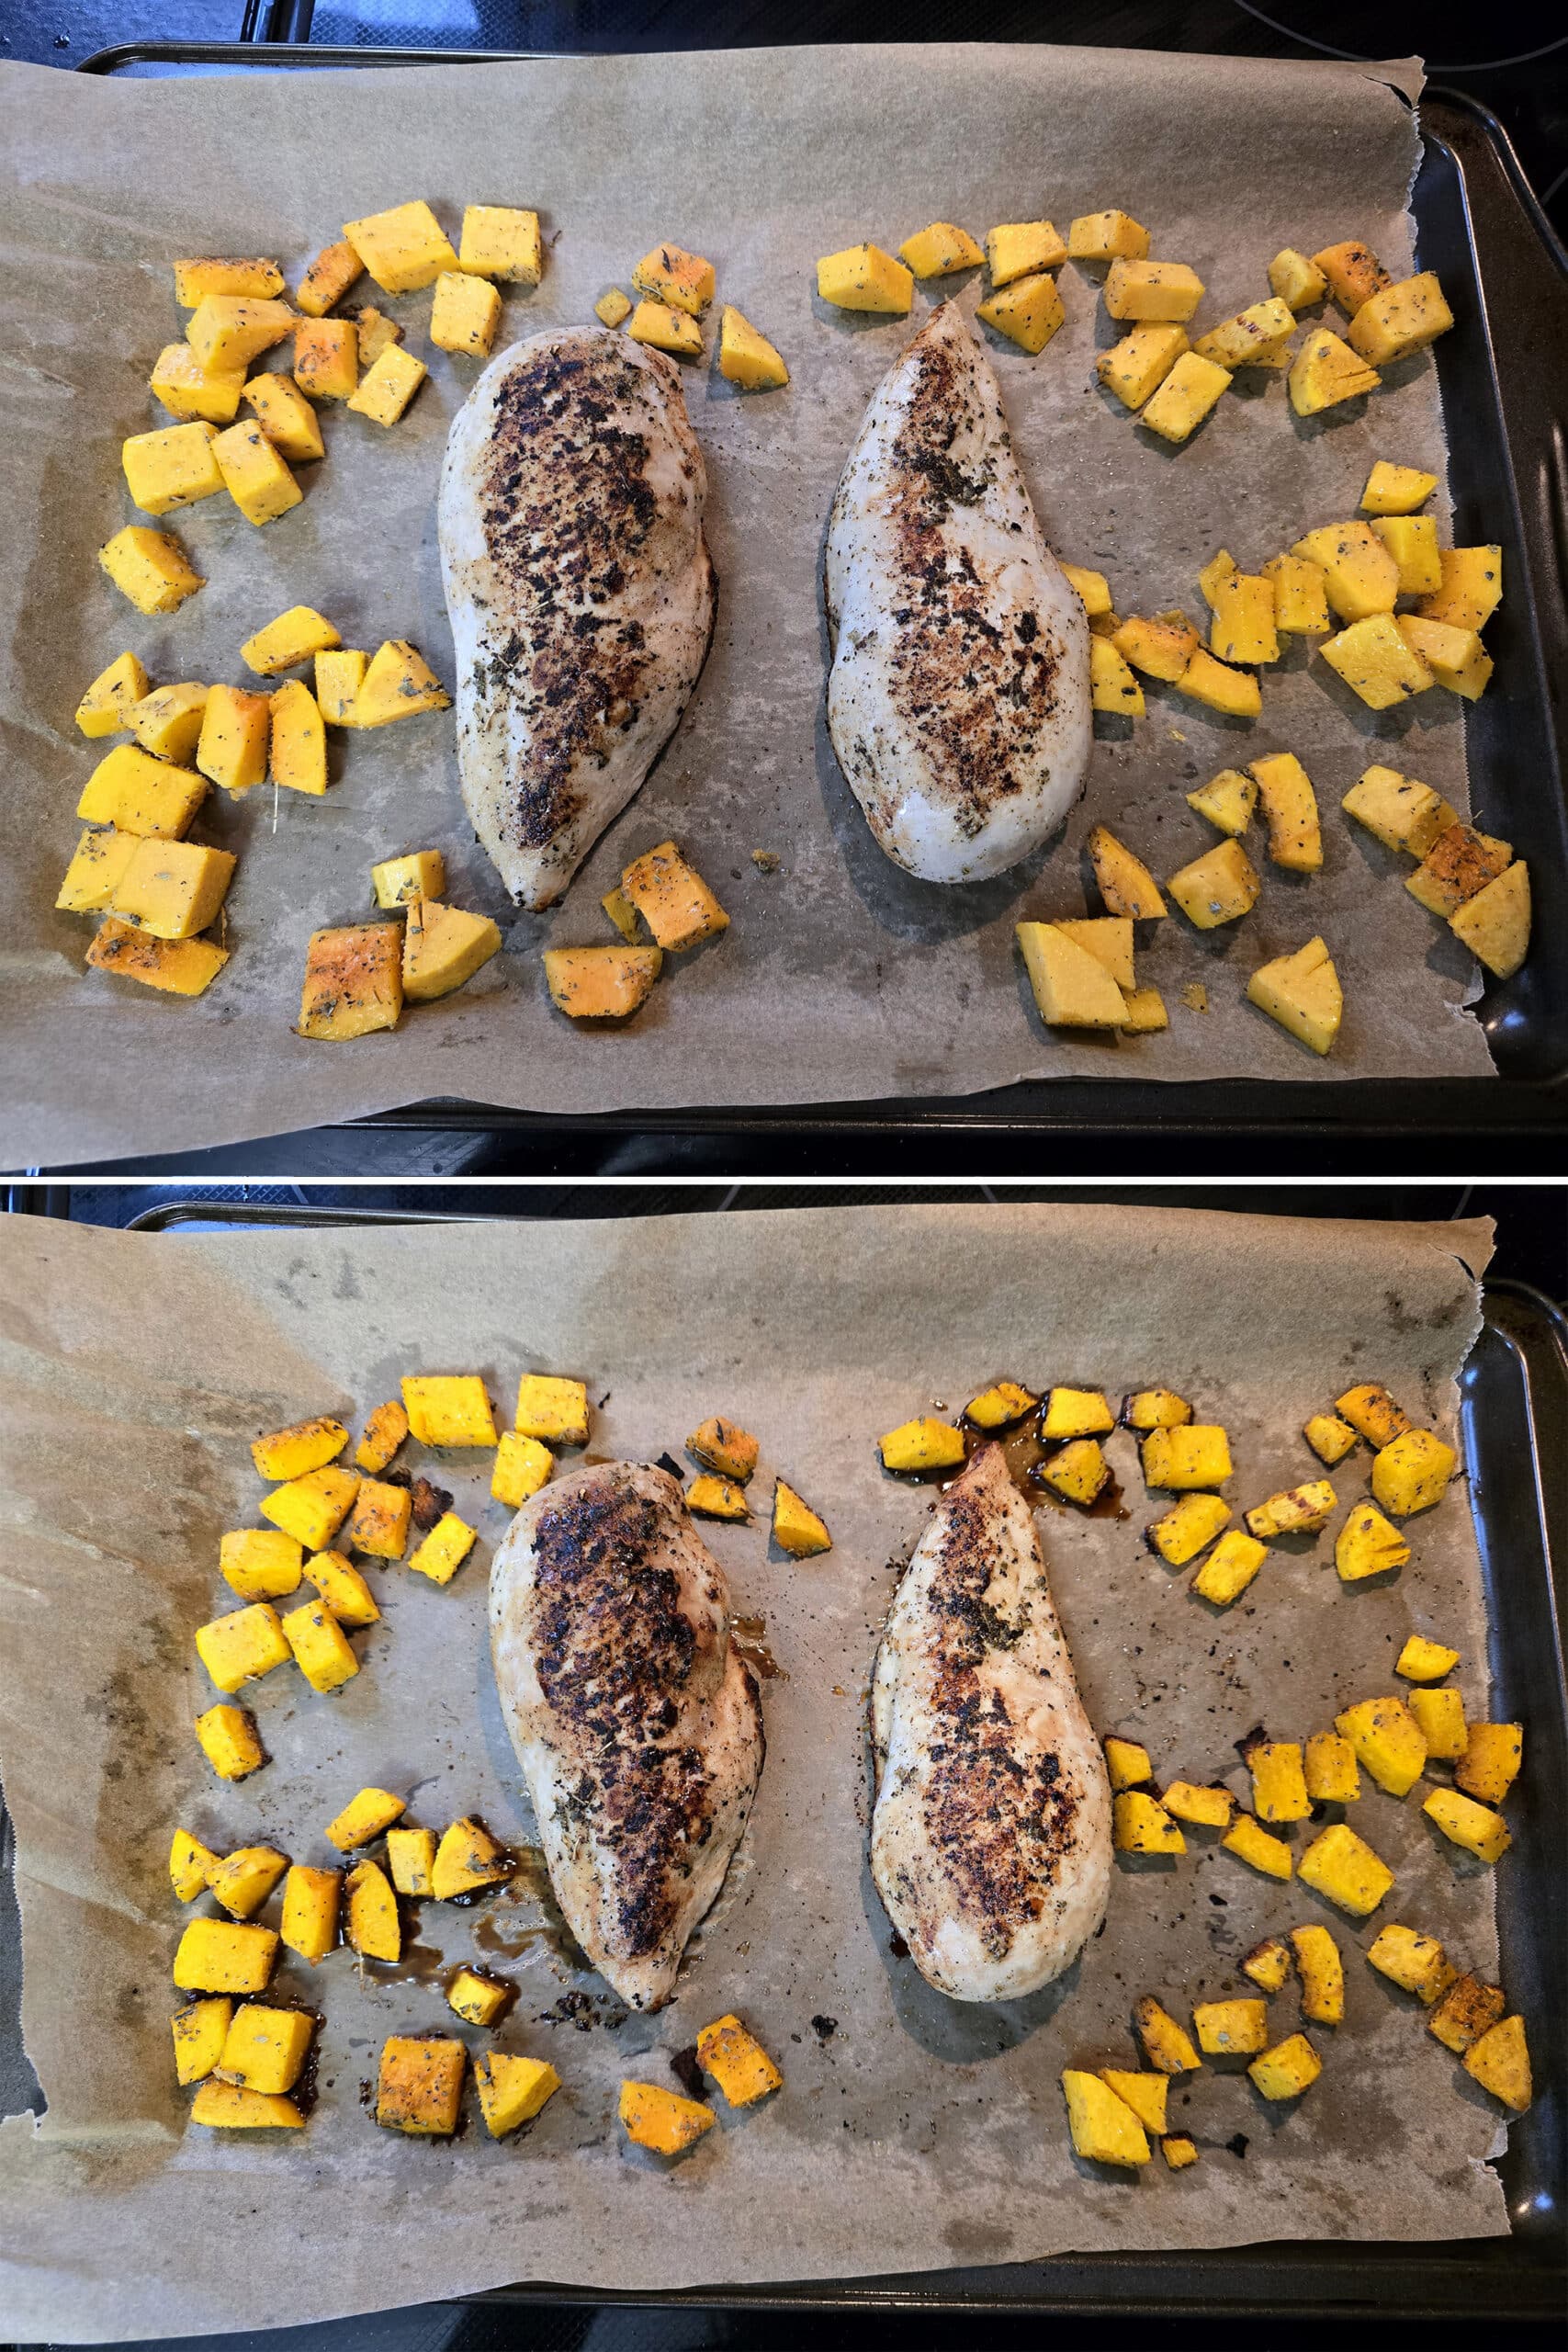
x: 958, y: 700
x: 990, y: 1843
x: 580, y: 589
x: 636, y: 1724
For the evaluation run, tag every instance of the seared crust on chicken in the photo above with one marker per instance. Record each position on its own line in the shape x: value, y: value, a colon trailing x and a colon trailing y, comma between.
x: 959, y: 697
x: 636, y: 1722
x: 990, y: 1843
x: 579, y: 588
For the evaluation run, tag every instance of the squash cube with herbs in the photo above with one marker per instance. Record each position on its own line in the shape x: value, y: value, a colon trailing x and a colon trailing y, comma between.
x: 1235, y: 693
x: 552, y: 1409
x: 188, y: 388
x: 1071, y: 986
x: 1195, y: 1455
x: 1107, y: 237
x: 683, y: 281
x: 173, y: 467
x: 97, y: 865
x: 1456, y: 657
x: 1028, y: 311
x: 1468, y: 2009
x: 230, y: 1742
x: 464, y: 313
x: 1146, y: 2095
x: 1156, y: 1409
x: 717, y: 1499
x: 1416, y: 1962
x: 1290, y: 806
x: 1127, y: 1763
x: 1296, y: 280
x: 1472, y: 587
x: 1166, y: 2045
x: 1253, y: 338
x: 1185, y: 1527
x: 1330, y: 1439
x: 939, y: 251
x: 106, y: 709
x: 1321, y: 1972
x: 511, y: 2089
x: 396, y: 881
x: 724, y: 1446
x: 232, y: 749
x: 1353, y: 273
x: 1458, y: 867
x: 500, y: 240
x: 1490, y: 1760
x: 228, y: 331
x: 1142, y: 1826
x: 612, y: 308
x: 1302, y: 992
x: 448, y: 1409
x: 339, y: 677
x: 1376, y: 662
x: 1268, y: 1964
x: 863, y: 277
x: 1243, y: 627
x: 364, y: 1817
x: 1397, y: 489
x: 255, y: 474
x: 1022, y: 249
x: 224, y: 1956
x: 1343, y: 1867
x: 321, y: 1649
x: 478, y: 1999
x: 796, y: 1529
x: 1399, y: 319
x: 443, y: 1550
x: 177, y: 967
x: 1367, y: 1545
x: 399, y: 683
x: 1135, y: 367
x: 1113, y: 686
x: 411, y: 1857
x: 354, y: 981
x: 1075, y: 1412
x: 404, y: 248
x: 662, y: 2120
x: 1301, y: 596
x: 306, y: 1446
x: 241, y: 1881
x: 1440, y: 1715
x: 1159, y: 290
x: 443, y: 948
x: 376, y: 334
x: 672, y: 900
x: 388, y: 385
x: 1079, y: 1473
x: 1387, y: 1741
x: 1401, y: 813
x: 1499, y: 2061
x: 288, y: 641
x: 298, y: 739
x: 521, y: 1467
x: 1412, y: 1473
x: 1103, y: 2126
x: 1208, y: 1808
x: 311, y: 1900
x: 1279, y: 1786
x: 210, y: 274
x: 231, y: 2106
x: 662, y: 329
x: 1257, y: 1847
x: 600, y: 983
x: 172, y: 889
x: 1162, y: 648
x: 1372, y: 1413
x: 1218, y: 887
x: 420, y: 2084
x: 313, y: 1508
x: 467, y: 1858
x: 1424, y: 1661
x: 1496, y: 924
x: 1329, y: 1768
x: 189, y: 1862
x: 1185, y: 397
x: 151, y: 568
x: 242, y: 1646
x: 380, y: 1523
x: 1287, y: 2070
x: 1299, y: 1511
x: 327, y: 278
x: 1326, y: 372
x: 385, y: 1429
x: 1412, y: 540
x: 1229, y: 1568
x: 737, y: 2063
x: 1237, y: 2028
x: 746, y: 357
x: 264, y: 2049
x: 372, y: 1925
x: 200, y: 2033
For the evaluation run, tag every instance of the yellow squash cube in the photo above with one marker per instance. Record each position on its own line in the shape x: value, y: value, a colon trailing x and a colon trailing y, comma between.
x: 1268, y: 1964
x: 724, y: 1446
x: 1145, y: 2094
x: 1330, y: 1439
x: 1413, y: 1472
x: 399, y: 683
x: 1361, y: 576
x: 1156, y: 1409
x: 1140, y: 1825
x: 396, y: 881
x: 1091, y: 588
x: 1196, y: 1454
x: 326, y: 359
x: 174, y: 466
x: 464, y: 313
x: 380, y: 1522
x: 1456, y: 657
x: 241, y: 1881
x: 738, y: 2062
x: 377, y: 334
x: 939, y: 251
x: 1474, y: 1826
x: 600, y: 983
x: 746, y: 357
x: 364, y: 1817
x: 228, y: 331
x: 1028, y: 311
x: 500, y: 240
x: 1159, y: 291
x: 1302, y: 992
x: 1127, y: 1763
x: 229, y: 1742
x: 1376, y: 662
x: 1178, y: 2150
x: 521, y: 1467
x: 1279, y: 1786
x: 1490, y: 1764
x: 1468, y: 2009
x: 1298, y: 1510
x: 188, y: 388
x: 220, y: 1956
x: 1071, y: 986
x: 1401, y: 319
x: 443, y: 1550
x: 926, y: 1444
x: 863, y: 277
x: 1440, y: 1715
x: 243, y: 1645
x: 1287, y: 2070
x: 1416, y: 1962
x: 172, y: 889
x: 443, y: 948
x: 1162, y: 648
x: 1301, y: 596
x: 1397, y: 489
x: 313, y: 1508
x: 1113, y: 686
x: 1107, y: 236
x: 448, y: 1409
x: 511, y: 2089
x: 288, y: 641
x: 613, y: 307
x: 177, y: 967
x: 255, y: 475
x: 1368, y: 1547
x: 672, y: 899
x: 298, y: 739
x: 1233, y: 692
x: 1256, y: 1847
x: 372, y: 1925
x: 1135, y: 368
x: 1424, y: 1661
x: 1218, y: 887
x: 1371, y: 1411
x: 717, y: 1499
x: 1412, y: 540
x: 1166, y: 2045
x: 468, y: 1858
x: 1208, y: 1808
x: 1021, y: 248
x: 1457, y: 867
x: 151, y: 568
x: 235, y: 729
x: 106, y: 709
x: 189, y: 1862
x: 388, y: 385
x: 1343, y: 1867
x: 1185, y: 397
x: 1472, y: 589
x: 168, y: 722
x: 1075, y: 1412
x: 1237, y: 2028
x: 1499, y: 2061
x: 343, y: 1588
x: 1353, y: 272
x: 1103, y: 2126
x: 411, y: 1857
x: 1079, y: 1472
x: 663, y: 329
x: 1325, y: 372
x: 339, y: 677
x: 660, y: 2120
x: 1329, y: 1768
x: 384, y: 1432
x: 420, y: 2084
x: 260, y: 1565
x: 1187, y: 1526
x: 1496, y: 924
x: 265, y: 2049
x: 1229, y: 1568
x: 1321, y: 1972
x: 1243, y: 626
x: 97, y: 861
x: 311, y: 1900
x: 320, y: 1648
x: 683, y: 280
x: 232, y: 2108
x: 478, y: 1999
x: 1401, y: 813
x: 199, y: 2032
x: 209, y: 274
x: 327, y: 278
x: 1387, y: 1741
x: 552, y: 1409
x: 1253, y: 338
x: 404, y: 248
x: 354, y: 981
x: 1295, y: 279
x: 796, y: 1529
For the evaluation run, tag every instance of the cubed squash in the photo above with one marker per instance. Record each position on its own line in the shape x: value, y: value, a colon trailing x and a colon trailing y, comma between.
x: 1397, y: 489
x: 443, y: 1550
x: 502, y: 241
x: 1372, y: 1412
x: 404, y: 248
x: 189, y: 1862
x: 327, y: 278
x: 1140, y: 1825
x: 1496, y: 924
x: 464, y: 313
x: 468, y: 1858
x: 1257, y: 1847
x: 1268, y: 1964
x: 1091, y: 588
x: 1028, y: 311
x: 231, y: 2106
x: 1361, y: 576
x: 796, y: 1529
x: 1235, y: 693
x: 511, y: 2089
x: 1218, y: 887
x: 354, y: 981
x: 259, y: 1565
x: 419, y: 2085
x: 683, y: 281
x: 1456, y: 657
x: 321, y: 1649
x: 939, y: 251
x: 1456, y: 869
x: 1071, y: 986
x: 1329, y: 1768
x: 1424, y: 1661
x: 1206, y: 1808
x: 623, y: 915
x: 1499, y: 2061
x: 1235, y: 2029
x: 1302, y: 992
x: 600, y: 983
x: 920, y: 1445
x: 230, y: 1742
x: 738, y: 2062
x: 106, y: 709
x: 377, y: 334
x: 173, y: 467
x: 380, y: 1523
x: 1127, y: 1763
x: 1161, y: 647
x: 388, y: 385
x: 1472, y: 589
x: 1401, y: 319
x: 411, y: 1857
x: 210, y: 274
x: 311, y: 1900
x: 1343, y: 1867
x: 1159, y: 291
x: 255, y: 475
x: 1330, y: 1438
x: 1075, y: 1412
x: 364, y: 1817
x: 1250, y: 339
x: 1412, y: 540
x: 863, y: 277
x: 1227, y: 800
x: 200, y: 2031
x: 663, y: 329
x: 1113, y: 686
x: 1376, y: 663
x: 1229, y: 1568
x: 477, y: 1998
x: 224, y: 1956
x: 1187, y: 1526
x: 1321, y: 1972
x: 247, y: 1643
x: 613, y: 308
x: 1124, y: 882
x: 384, y: 1433
x: 1104, y: 2128
x: 339, y: 677
x: 1286, y: 2071
x: 1367, y: 1545
x: 151, y: 568
x: 97, y: 865
x: 746, y: 357
x: 1296, y: 280
x: 1412, y: 1473
x: 228, y: 331
x: 1290, y: 807
x: 1196, y: 1454
x: 552, y: 1409
x: 1401, y: 813
x: 167, y: 722
x: 288, y: 641
x: 1278, y: 1785
x: 1178, y: 2150
x: 1416, y: 1962
x: 1156, y: 1409
x: 660, y: 2120
x: 521, y: 1467
x: 1490, y: 1764
x: 1387, y: 1741
x: 1467, y: 2009
x: 1135, y: 367
x: 1107, y: 237
x: 313, y: 1508
x: 1440, y: 1715
x: 1325, y: 372
x: 672, y: 899
x: 399, y: 683
x: 188, y: 388
x: 1243, y: 626
x: 172, y: 889
x: 448, y: 1409
x: 264, y: 2049
x: 443, y: 948
x: 1184, y: 397
x: 1166, y: 2045
x: 1353, y: 273
x: 1022, y: 249
x: 1145, y: 2094
x: 396, y: 881
x: 717, y: 1499
x: 1301, y: 596
x: 1298, y: 1510
x: 298, y: 739
x: 232, y: 749
x: 723, y: 1445
x: 371, y: 1923
x: 177, y: 967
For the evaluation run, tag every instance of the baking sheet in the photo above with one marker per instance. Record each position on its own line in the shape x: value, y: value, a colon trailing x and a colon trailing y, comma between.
x: 912, y: 2132
x: 840, y: 979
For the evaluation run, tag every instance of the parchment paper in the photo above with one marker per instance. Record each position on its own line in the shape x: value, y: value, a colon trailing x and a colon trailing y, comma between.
x: 912, y: 2132
x: 840, y: 977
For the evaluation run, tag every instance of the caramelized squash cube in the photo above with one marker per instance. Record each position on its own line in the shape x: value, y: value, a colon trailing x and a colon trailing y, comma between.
x: 1187, y: 1526
x: 313, y: 1508
x: 724, y: 1446
x: 1268, y: 1964
x: 1490, y: 1765
x: 321, y: 1649
x: 1401, y: 319
x: 1236, y: 693
x: 229, y: 1742
x: 231, y: 2106
x: 737, y: 2063
x: 1207, y: 1808
x: 223, y: 1956
x: 1142, y: 1826
x: 372, y: 1925
x: 1321, y: 1972
x: 1500, y: 2063
x: 1298, y: 1510
x: 1330, y: 1439
x: 354, y: 981
x: 255, y: 475
x: 1237, y: 2028
x: 411, y: 1857
x: 364, y: 1817
x: 1353, y: 273
x: 1329, y: 1768
x: 672, y: 899
x: 1468, y: 2009
x: 311, y: 1900
x: 1368, y: 1547
x: 177, y: 967
x: 1166, y: 2045
x: 477, y: 1998
x: 240, y: 1647
x: 1178, y: 2150
x: 384, y: 1433
x: 1250, y: 339
x: 1416, y: 1962
x: 327, y: 278
x: 1424, y: 1661
x: 388, y: 385
x: 420, y: 2084
x: 1287, y: 2070
x: 379, y: 1524
x: 926, y: 1444
x: 1256, y: 1847
x: 662, y: 2120
x: 796, y: 1529
x: 1161, y: 649
x: 1372, y: 1413
x: 1124, y: 881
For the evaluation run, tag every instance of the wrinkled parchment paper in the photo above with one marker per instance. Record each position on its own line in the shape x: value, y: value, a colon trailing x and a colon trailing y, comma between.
x: 912, y: 2132
x: 840, y: 977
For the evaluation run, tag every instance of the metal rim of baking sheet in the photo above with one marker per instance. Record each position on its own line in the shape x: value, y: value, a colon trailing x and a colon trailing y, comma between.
x: 1519, y: 780
x: 1514, y: 1420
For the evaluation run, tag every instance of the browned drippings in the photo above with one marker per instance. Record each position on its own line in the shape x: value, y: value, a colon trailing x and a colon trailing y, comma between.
x: 1025, y: 1452
x: 416, y: 1965
x: 747, y: 1633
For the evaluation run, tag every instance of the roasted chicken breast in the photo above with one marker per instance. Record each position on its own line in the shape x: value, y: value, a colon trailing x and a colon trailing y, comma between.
x: 990, y: 1842
x: 958, y: 700
x: 580, y: 589
x: 636, y: 1722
